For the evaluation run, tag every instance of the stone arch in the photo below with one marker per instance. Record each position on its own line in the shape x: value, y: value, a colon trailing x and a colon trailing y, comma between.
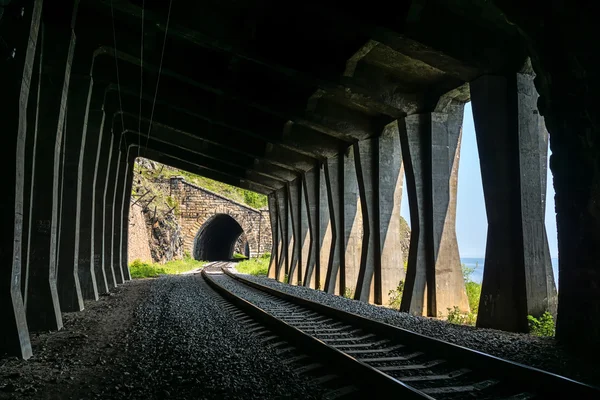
x: 216, y: 238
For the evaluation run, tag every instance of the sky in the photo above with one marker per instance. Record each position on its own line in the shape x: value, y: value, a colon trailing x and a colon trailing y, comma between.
x: 471, y: 221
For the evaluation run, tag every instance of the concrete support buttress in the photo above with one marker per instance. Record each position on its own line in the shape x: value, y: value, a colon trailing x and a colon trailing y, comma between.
x: 276, y: 237
x: 91, y: 276
x: 70, y: 290
x: 353, y: 226
x: 366, y: 166
x: 430, y: 146
x: 390, y: 180
x: 101, y: 168
x: 125, y: 207
x: 43, y: 308
x: 21, y: 32
x: 117, y: 192
x: 334, y: 178
x: 379, y: 170
x: 284, y: 231
x: 311, y: 202
x: 325, y: 231
x: 511, y: 139
x: 108, y: 198
x: 294, y: 195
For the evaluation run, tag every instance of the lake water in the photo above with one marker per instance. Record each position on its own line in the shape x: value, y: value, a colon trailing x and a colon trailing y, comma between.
x: 478, y: 264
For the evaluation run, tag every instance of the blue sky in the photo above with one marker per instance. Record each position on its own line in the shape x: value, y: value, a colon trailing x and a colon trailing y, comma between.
x: 471, y: 221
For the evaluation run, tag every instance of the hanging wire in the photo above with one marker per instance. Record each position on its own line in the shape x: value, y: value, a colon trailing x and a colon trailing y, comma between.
x: 159, y: 74
x: 141, y: 78
x: 112, y: 13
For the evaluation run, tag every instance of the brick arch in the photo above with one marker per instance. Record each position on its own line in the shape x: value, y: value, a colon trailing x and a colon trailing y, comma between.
x: 197, y: 205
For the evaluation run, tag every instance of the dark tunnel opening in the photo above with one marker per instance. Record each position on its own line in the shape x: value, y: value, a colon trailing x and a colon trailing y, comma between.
x: 216, y: 238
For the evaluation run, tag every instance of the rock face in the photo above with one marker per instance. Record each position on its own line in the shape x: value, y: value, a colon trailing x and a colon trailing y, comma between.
x: 166, y: 242
x: 405, y: 238
x: 138, y: 243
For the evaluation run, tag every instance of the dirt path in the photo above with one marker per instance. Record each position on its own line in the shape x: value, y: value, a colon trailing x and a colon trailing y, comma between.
x: 77, y: 357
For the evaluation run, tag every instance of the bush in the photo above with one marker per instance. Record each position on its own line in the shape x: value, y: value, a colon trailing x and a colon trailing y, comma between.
x: 349, y: 293
x: 544, y: 326
x: 140, y: 269
x: 238, y: 256
x: 455, y: 316
x: 395, y: 296
x: 254, y: 266
x: 473, y: 294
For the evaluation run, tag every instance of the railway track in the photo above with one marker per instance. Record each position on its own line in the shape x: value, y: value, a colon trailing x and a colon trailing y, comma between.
x: 382, y: 359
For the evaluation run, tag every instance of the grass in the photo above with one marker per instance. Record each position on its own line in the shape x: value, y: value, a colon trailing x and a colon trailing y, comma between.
x: 254, y: 266
x: 140, y: 269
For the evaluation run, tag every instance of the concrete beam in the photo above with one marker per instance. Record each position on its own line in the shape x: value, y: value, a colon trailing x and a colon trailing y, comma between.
x: 294, y: 204
x: 326, y: 236
x: 22, y: 32
x: 108, y: 202
x: 518, y: 278
x: 116, y: 209
x: 285, y: 232
x: 125, y: 208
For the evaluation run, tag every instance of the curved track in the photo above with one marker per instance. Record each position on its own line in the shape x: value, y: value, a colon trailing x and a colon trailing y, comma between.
x: 383, y: 359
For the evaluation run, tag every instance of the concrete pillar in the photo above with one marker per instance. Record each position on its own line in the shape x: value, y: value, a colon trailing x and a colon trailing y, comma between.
x: 366, y: 161
x: 91, y: 277
x: 326, y: 238
x: 511, y: 140
x: 70, y: 292
x: 108, y: 201
x: 285, y: 232
x: 29, y: 161
x: 334, y: 178
x: 413, y: 143
x: 117, y: 202
x: 390, y: 180
x: 101, y: 169
x: 432, y: 143
x: 21, y: 34
x: 43, y: 309
x: 125, y: 207
x: 311, y: 200
x: 294, y: 195
x: 276, y: 242
x: 353, y: 227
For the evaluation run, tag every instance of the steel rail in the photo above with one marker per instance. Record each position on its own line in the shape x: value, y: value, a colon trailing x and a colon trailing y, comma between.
x: 541, y: 383
x: 367, y: 377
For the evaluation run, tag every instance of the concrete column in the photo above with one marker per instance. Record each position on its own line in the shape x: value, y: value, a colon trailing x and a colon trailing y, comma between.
x: 353, y: 227
x: 43, y: 309
x: 366, y: 161
x: 91, y: 277
x: 102, y: 167
x: 334, y: 178
x: 511, y: 140
x: 326, y: 238
x: 29, y: 161
x: 311, y: 202
x: 294, y: 194
x: 108, y: 200
x: 413, y: 142
x: 21, y: 34
x: 117, y: 192
x: 390, y: 180
x: 432, y: 145
x: 276, y: 242
x: 69, y: 289
x: 125, y: 207
x: 285, y: 232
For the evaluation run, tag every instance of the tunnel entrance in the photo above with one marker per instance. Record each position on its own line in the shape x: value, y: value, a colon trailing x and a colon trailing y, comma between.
x: 216, y: 239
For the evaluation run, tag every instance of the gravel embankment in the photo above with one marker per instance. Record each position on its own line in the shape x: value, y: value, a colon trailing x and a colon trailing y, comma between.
x: 184, y: 345
x: 543, y: 353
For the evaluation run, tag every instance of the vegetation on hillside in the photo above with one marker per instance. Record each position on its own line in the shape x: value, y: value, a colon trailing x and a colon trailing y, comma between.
x: 255, y: 266
x: 140, y: 269
x: 149, y: 171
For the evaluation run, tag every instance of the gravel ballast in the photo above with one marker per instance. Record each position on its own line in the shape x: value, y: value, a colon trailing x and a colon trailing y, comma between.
x: 538, y: 352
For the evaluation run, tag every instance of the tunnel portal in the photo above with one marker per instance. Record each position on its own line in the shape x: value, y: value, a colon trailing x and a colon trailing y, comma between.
x: 216, y: 238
